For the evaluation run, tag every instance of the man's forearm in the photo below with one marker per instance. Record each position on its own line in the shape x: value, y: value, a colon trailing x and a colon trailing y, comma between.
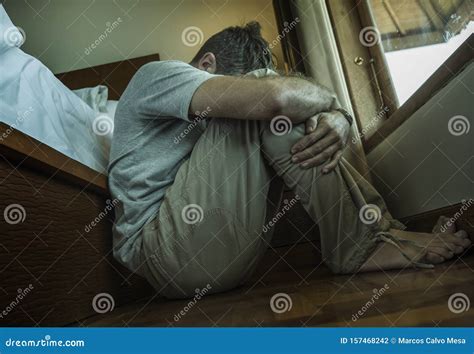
x: 262, y: 98
x: 301, y: 99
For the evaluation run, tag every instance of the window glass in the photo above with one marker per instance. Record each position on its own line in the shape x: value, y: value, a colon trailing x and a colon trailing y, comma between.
x: 418, y: 37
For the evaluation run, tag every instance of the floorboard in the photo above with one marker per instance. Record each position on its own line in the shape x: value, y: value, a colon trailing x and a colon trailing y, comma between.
x: 318, y: 298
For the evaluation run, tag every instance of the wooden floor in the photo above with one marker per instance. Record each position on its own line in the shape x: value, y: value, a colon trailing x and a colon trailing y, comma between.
x: 318, y: 298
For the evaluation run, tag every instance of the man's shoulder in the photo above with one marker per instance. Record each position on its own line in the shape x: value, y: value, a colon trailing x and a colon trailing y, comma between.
x: 163, y: 65
x: 157, y: 72
x: 146, y: 75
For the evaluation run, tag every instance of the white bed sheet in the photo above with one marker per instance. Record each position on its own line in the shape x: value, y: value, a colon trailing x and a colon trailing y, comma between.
x: 35, y: 102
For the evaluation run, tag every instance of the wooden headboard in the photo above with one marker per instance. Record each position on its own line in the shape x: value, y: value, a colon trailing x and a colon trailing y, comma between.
x: 115, y: 76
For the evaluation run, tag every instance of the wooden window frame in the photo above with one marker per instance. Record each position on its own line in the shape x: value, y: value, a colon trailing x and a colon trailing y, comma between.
x: 368, y: 76
x: 364, y: 89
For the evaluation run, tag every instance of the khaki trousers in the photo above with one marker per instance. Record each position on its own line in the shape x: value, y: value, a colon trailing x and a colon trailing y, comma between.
x: 215, y: 222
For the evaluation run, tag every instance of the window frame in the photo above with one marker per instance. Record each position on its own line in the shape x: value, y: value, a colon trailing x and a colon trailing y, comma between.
x: 366, y: 64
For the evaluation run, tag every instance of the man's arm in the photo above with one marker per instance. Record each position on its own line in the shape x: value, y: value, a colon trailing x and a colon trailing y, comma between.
x: 298, y: 99
x: 261, y: 98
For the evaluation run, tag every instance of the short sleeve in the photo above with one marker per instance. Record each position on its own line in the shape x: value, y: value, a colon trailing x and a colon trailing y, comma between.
x: 165, y: 89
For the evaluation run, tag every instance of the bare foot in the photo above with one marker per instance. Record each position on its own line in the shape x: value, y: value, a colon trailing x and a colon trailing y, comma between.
x: 444, y: 225
x: 430, y: 249
x: 435, y: 248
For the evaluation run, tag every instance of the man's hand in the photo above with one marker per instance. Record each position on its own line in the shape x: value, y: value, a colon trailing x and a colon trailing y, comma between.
x: 325, y: 139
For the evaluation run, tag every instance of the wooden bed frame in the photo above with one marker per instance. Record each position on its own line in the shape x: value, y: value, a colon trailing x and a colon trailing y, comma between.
x: 53, y: 249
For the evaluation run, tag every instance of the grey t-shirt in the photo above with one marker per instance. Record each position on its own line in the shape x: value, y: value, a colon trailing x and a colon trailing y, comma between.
x: 148, y: 147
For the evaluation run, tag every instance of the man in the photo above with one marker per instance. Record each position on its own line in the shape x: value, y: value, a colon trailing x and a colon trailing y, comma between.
x: 199, y: 160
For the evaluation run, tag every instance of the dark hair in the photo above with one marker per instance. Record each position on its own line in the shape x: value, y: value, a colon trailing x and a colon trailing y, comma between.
x: 238, y: 50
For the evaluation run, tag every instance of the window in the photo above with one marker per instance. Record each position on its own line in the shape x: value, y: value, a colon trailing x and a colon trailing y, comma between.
x: 418, y: 36
x: 390, y: 48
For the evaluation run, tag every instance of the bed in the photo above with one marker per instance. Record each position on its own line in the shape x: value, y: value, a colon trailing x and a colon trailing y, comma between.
x: 55, y: 233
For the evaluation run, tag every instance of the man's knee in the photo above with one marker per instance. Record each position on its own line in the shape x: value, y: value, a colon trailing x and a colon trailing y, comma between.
x: 278, y: 142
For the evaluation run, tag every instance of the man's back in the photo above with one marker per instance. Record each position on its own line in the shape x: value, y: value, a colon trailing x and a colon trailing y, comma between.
x: 148, y: 147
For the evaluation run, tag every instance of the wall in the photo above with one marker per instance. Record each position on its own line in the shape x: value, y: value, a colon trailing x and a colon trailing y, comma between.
x: 60, y: 32
x: 428, y: 163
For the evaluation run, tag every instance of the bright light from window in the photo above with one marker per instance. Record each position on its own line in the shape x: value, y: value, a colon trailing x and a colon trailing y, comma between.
x: 410, y: 68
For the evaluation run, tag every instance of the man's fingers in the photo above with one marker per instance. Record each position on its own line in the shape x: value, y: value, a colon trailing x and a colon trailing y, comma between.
x: 321, y: 158
x: 310, y: 139
x: 316, y: 149
x: 334, y: 162
x: 311, y: 124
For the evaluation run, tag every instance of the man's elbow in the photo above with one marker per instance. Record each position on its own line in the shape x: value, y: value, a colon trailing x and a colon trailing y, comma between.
x: 284, y: 103
x: 278, y: 102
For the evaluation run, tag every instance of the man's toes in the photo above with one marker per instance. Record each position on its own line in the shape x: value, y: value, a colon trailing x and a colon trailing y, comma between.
x: 464, y: 236
x: 456, y: 249
x: 461, y: 234
x: 442, y: 251
x: 465, y: 242
x: 434, y: 258
x: 457, y: 240
x: 444, y: 226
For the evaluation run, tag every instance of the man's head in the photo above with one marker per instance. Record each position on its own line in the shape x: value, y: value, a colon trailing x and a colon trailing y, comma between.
x: 234, y: 51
